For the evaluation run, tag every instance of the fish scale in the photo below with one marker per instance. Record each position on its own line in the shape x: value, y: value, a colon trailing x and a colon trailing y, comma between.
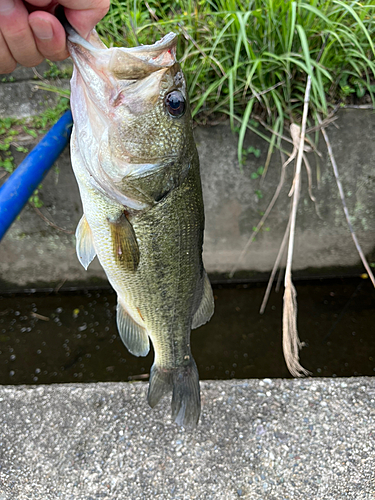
x: 165, y: 244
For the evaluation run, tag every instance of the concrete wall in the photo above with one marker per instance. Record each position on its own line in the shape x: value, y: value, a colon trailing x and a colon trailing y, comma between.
x: 34, y: 254
x: 322, y: 237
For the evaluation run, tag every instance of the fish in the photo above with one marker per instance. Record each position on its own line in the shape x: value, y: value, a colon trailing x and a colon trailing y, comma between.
x: 137, y: 168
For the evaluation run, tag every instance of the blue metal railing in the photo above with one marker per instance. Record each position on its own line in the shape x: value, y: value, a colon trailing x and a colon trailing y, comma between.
x: 15, y: 192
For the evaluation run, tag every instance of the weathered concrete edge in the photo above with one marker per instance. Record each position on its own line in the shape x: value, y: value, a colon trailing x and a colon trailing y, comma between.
x: 22, y: 93
x: 257, y: 439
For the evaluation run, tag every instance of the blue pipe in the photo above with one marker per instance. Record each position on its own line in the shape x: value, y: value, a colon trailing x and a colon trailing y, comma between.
x: 15, y: 192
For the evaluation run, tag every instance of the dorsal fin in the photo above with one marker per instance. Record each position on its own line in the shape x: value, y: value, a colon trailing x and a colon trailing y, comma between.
x: 84, y: 243
x: 132, y: 334
x: 206, y: 307
x: 124, y: 243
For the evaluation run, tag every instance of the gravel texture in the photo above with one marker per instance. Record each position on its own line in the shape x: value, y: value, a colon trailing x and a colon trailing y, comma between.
x: 257, y: 439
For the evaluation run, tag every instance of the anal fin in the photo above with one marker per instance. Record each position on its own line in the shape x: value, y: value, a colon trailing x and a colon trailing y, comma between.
x: 206, y: 307
x: 124, y: 243
x: 132, y: 334
x: 84, y: 243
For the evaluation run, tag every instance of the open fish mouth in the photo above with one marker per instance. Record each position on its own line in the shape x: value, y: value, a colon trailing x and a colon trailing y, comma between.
x: 110, y: 77
x: 122, y: 63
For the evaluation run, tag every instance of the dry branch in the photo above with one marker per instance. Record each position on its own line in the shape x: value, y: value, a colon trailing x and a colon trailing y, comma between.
x: 50, y: 223
x: 291, y: 342
x: 274, y: 269
x: 294, y: 132
x: 262, y: 220
x: 345, y: 208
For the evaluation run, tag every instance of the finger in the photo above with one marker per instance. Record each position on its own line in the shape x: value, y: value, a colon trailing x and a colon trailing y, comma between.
x: 89, y: 13
x: 7, y: 63
x: 49, y: 35
x: 41, y: 3
x: 16, y: 31
x: 44, y: 5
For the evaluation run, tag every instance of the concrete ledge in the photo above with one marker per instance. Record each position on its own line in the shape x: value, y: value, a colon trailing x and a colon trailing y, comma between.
x: 21, y: 73
x: 23, y: 99
x: 257, y: 440
x: 19, y: 95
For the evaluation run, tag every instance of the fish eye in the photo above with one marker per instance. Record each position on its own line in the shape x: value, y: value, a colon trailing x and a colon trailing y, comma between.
x: 175, y: 103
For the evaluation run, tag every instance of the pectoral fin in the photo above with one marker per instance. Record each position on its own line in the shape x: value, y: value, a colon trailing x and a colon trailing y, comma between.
x: 206, y: 307
x: 84, y: 243
x: 124, y: 243
x: 133, y: 335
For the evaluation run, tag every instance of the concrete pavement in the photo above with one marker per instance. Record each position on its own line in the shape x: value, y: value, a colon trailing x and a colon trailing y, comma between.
x: 257, y: 440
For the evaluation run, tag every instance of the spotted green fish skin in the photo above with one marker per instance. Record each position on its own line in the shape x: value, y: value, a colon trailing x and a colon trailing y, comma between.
x: 137, y: 169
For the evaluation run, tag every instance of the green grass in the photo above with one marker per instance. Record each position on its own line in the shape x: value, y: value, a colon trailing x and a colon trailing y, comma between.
x: 243, y: 59
x: 34, y: 126
x: 12, y: 128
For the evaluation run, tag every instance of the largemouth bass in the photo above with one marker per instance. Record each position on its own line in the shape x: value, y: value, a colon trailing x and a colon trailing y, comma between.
x: 137, y: 168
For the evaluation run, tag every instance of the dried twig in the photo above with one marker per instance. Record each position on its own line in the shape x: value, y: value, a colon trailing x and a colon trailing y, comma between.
x: 330, y: 119
x: 61, y: 284
x: 279, y: 279
x: 358, y: 106
x: 262, y: 92
x: 295, y: 134
x: 39, y: 316
x: 50, y: 223
x: 274, y: 269
x: 38, y: 75
x: 263, y: 219
x: 307, y: 149
x: 291, y: 342
x: 152, y: 12
x: 141, y: 376
x: 345, y: 208
x: 309, y: 178
x: 270, y: 129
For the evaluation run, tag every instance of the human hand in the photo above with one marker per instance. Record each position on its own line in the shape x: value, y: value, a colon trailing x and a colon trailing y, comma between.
x: 29, y: 32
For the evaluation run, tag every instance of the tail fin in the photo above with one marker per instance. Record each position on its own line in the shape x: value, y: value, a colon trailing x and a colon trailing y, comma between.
x: 184, y: 382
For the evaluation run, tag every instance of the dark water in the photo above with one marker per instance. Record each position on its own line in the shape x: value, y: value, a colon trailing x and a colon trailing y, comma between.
x: 69, y: 337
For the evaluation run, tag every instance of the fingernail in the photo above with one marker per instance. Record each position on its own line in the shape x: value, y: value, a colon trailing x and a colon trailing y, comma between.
x: 42, y: 29
x: 6, y: 6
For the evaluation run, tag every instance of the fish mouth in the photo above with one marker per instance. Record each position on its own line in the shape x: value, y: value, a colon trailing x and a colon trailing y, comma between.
x: 117, y: 75
x: 132, y: 63
x: 138, y: 62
